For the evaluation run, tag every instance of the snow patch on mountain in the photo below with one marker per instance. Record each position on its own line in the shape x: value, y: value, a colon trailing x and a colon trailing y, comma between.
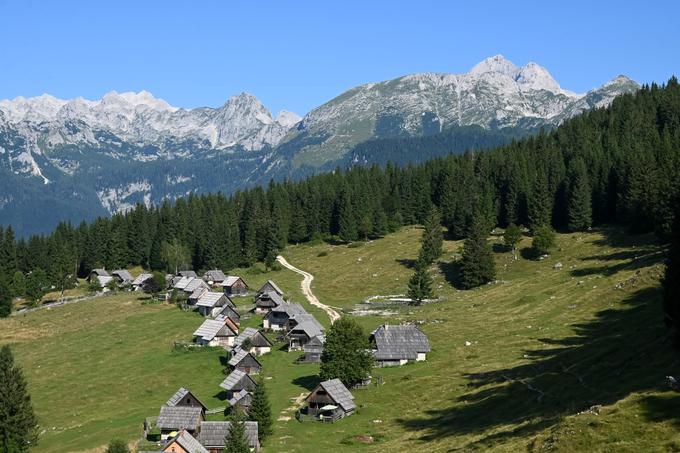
x: 118, y: 199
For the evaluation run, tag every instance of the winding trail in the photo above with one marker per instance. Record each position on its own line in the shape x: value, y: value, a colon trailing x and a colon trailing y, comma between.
x: 306, y: 286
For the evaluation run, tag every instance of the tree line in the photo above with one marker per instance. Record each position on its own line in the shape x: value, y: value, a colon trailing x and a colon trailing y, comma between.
x: 617, y: 164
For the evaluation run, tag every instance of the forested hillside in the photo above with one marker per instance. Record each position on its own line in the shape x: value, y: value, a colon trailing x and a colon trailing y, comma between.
x: 619, y: 164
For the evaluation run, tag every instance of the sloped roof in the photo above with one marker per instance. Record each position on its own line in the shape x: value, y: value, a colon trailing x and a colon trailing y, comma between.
x: 178, y: 417
x: 229, y: 311
x: 215, y: 275
x: 123, y: 274
x: 211, y: 327
x: 229, y: 280
x: 234, y: 381
x: 399, y: 342
x: 249, y: 332
x: 188, y: 442
x: 141, y: 278
x: 213, y: 434
x: 198, y: 292
x: 209, y: 299
x: 309, y: 326
x: 194, y: 284
x: 339, y: 393
x: 104, y: 280
x: 191, y: 274
x: 181, y: 393
x: 271, y: 295
x: 239, y: 356
x: 182, y: 283
x: 100, y: 272
x: 289, y: 308
x: 273, y: 285
x: 243, y: 397
x: 316, y: 342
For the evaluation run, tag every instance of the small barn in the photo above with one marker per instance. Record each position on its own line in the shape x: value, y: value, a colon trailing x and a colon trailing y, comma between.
x: 230, y: 312
x: 177, y: 418
x: 245, y: 361
x: 306, y: 328
x: 182, y: 283
x: 265, y: 302
x: 94, y: 273
x: 329, y: 401
x: 184, y: 397
x: 239, y: 387
x: 190, y: 274
x: 270, y: 286
x: 278, y: 317
x: 138, y: 283
x: 214, y: 434
x: 214, y: 277
x: 234, y: 286
x: 122, y: 276
x: 256, y: 341
x: 210, y: 303
x: 220, y: 331
x: 195, y: 284
x: 313, y: 349
x: 193, y: 297
x: 398, y: 345
x: 184, y: 442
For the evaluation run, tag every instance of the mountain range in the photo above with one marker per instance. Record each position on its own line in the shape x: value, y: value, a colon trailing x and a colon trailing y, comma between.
x: 76, y: 159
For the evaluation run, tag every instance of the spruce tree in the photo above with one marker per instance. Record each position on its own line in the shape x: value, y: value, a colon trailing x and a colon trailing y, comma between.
x: 432, y: 239
x: 5, y: 300
x: 540, y: 207
x: 477, y: 265
x: 18, y: 423
x: 345, y: 355
x: 261, y: 411
x: 347, y: 222
x: 236, y: 441
x: 420, y: 284
x: 579, y: 207
x: 671, y: 281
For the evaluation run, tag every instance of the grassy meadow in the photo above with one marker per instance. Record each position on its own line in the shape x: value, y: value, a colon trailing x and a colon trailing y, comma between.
x: 545, y: 359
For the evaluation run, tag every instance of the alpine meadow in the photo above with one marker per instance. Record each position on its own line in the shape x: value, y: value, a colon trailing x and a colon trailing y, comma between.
x: 468, y: 257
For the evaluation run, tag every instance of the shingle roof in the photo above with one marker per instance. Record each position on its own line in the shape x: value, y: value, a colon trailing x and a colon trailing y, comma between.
x: 230, y: 280
x: 242, y: 397
x: 339, y: 393
x: 104, y: 280
x: 271, y: 295
x: 273, y: 285
x: 213, y: 434
x: 141, y: 278
x: 194, y: 284
x: 249, y: 332
x: 235, y: 381
x: 239, y: 356
x: 178, y: 417
x: 211, y: 327
x: 209, y: 299
x: 309, y: 326
x: 215, y: 275
x: 182, y: 283
x: 289, y: 308
x: 399, y: 342
x: 188, y: 442
x: 229, y: 312
x: 198, y: 293
x: 191, y: 274
x: 100, y: 272
x: 123, y: 274
x: 315, y: 343
x: 181, y: 393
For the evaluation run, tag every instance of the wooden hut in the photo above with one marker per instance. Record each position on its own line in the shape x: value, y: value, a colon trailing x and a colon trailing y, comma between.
x: 306, y: 327
x: 210, y: 303
x: 397, y: 345
x: 270, y: 286
x: 176, y: 418
x: 265, y: 302
x: 256, y: 341
x: 278, y: 317
x: 245, y: 361
x: 313, y: 349
x: 220, y: 331
x: 184, y: 398
x: 234, y: 286
x: 184, y: 442
x: 214, y: 277
x: 329, y: 401
x: 239, y: 387
x: 214, y: 434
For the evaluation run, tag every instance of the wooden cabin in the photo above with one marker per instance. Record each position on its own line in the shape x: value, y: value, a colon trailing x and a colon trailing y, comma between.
x: 210, y: 303
x: 270, y: 286
x: 235, y: 286
x: 313, y: 349
x: 138, y: 283
x: 329, y: 401
x: 187, y: 273
x: 244, y: 361
x: 122, y: 276
x: 398, y: 345
x: 220, y: 331
x: 265, y: 302
x: 230, y: 312
x: 184, y: 398
x: 176, y: 418
x: 184, y: 442
x: 306, y: 327
x: 239, y: 387
x: 94, y: 273
x: 256, y: 341
x: 278, y: 317
x: 214, y: 434
x: 214, y: 277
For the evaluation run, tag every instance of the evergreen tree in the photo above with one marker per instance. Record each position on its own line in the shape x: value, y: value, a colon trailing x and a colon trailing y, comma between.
x: 544, y: 240
x: 540, y: 207
x: 236, y: 441
x: 18, y: 423
x: 420, y: 284
x: 345, y: 355
x: 5, y: 300
x: 512, y: 236
x: 432, y: 239
x: 117, y: 446
x: 477, y: 265
x: 347, y: 226
x: 261, y: 411
x: 579, y: 206
x: 671, y: 281
x: 36, y: 285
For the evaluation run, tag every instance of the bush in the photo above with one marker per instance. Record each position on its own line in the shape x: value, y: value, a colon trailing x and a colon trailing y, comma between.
x: 544, y: 240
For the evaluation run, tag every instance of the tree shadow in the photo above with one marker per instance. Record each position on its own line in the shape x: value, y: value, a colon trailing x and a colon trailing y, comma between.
x: 221, y: 395
x: 451, y: 272
x: 620, y: 351
x: 634, y: 260
x: 307, y: 382
x: 529, y: 253
x: 498, y: 247
x: 660, y: 408
x: 224, y: 360
x: 406, y: 262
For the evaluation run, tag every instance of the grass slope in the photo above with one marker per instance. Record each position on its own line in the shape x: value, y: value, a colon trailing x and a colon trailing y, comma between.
x: 545, y: 346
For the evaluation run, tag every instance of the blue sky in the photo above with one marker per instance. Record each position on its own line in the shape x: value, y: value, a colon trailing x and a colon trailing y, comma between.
x: 296, y: 55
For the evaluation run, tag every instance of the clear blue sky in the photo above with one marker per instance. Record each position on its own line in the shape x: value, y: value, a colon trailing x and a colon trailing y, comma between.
x: 299, y: 54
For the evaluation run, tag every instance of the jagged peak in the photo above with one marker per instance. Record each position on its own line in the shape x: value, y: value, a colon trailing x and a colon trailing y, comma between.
x: 497, y: 63
x: 287, y: 119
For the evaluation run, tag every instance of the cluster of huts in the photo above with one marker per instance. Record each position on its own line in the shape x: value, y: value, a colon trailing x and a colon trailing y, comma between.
x: 184, y: 429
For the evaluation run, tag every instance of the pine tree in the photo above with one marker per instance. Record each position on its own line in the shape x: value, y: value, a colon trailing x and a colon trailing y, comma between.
x: 117, y: 446
x: 36, y: 285
x: 540, y: 207
x: 236, y: 441
x: 671, y: 281
x: 347, y: 222
x: 579, y: 207
x: 18, y: 423
x: 432, y: 239
x: 420, y: 284
x: 477, y: 265
x: 345, y: 355
x: 261, y: 411
x: 5, y: 300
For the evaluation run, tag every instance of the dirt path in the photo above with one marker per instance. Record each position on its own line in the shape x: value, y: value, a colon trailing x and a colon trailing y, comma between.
x: 307, y: 289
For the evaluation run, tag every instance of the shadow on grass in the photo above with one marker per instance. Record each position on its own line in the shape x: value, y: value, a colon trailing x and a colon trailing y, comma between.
x: 307, y: 382
x: 620, y: 351
x: 221, y: 395
x: 224, y: 360
x: 406, y: 262
x: 634, y: 260
x: 659, y: 408
x: 529, y: 253
x: 497, y: 247
x: 451, y: 272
